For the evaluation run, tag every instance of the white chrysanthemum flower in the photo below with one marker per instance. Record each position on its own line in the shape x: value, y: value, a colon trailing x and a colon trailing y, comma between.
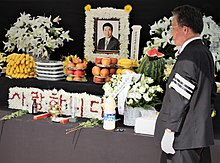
x: 147, y: 97
x: 149, y: 80
x: 142, y: 89
x: 138, y: 95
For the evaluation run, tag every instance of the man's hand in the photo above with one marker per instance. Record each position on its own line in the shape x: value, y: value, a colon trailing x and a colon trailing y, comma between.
x: 167, y: 142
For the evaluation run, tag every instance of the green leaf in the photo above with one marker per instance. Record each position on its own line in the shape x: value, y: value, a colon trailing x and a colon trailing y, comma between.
x: 16, y: 114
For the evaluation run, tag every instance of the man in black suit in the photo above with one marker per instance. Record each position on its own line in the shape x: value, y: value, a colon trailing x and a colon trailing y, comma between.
x: 109, y: 42
x: 184, y: 126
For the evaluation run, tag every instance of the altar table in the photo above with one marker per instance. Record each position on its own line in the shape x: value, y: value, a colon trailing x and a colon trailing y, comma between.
x: 24, y: 140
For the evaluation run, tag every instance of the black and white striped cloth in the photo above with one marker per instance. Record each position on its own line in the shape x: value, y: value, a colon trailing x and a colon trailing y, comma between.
x: 182, y: 86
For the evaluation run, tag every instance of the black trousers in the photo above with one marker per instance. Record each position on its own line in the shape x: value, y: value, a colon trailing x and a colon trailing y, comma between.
x: 198, y: 155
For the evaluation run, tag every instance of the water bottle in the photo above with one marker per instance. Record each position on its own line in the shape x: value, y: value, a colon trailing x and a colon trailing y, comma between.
x: 109, y: 113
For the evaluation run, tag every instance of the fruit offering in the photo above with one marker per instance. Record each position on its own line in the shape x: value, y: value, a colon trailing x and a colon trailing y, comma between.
x: 104, y: 69
x: 20, y: 66
x: 126, y: 65
x: 74, y: 68
x: 106, y: 62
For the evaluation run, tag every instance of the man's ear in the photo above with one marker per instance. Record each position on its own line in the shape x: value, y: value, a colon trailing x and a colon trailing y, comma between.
x: 186, y: 29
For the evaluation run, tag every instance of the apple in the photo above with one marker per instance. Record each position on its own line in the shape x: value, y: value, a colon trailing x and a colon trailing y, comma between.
x: 106, y: 61
x: 114, y: 60
x: 98, y: 60
x: 81, y: 65
x: 98, y: 80
x: 77, y: 60
x: 68, y: 72
x: 96, y: 70
x: 84, y: 65
x: 104, y: 72
x: 70, y: 65
x: 79, y: 72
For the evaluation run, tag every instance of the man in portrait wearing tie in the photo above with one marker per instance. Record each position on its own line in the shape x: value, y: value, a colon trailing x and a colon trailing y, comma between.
x: 109, y: 42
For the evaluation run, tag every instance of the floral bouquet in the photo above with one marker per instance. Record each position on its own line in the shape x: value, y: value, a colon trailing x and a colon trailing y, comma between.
x: 142, y: 92
x: 35, y: 36
x: 162, y: 38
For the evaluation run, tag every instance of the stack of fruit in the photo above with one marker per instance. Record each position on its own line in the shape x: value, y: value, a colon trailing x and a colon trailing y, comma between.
x: 103, y: 69
x: 126, y: 65
x: 20, y: 66
x: 74, y: 68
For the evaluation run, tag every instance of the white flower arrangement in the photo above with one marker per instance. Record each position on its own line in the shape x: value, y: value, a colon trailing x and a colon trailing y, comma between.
x: 37, y: 36
x: 142, y: 92
x: 123, y: 32
x: 162, y: 39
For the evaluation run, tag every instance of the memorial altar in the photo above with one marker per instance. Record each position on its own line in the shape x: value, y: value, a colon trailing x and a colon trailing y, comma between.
x: 25, y: 139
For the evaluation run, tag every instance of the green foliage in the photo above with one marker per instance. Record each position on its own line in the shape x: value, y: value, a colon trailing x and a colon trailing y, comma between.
x: 16, y: 114
x: 88, y: 124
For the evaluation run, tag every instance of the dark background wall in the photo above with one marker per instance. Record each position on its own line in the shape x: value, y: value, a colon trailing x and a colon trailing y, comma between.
x: 144, y: 13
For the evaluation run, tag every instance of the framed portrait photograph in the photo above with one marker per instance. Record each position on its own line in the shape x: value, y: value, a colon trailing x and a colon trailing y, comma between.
x: 106, y: 33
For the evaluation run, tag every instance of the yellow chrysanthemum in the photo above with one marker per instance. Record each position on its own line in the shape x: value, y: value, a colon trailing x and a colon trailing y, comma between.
x: 87, y: 7
x: 128, y: 8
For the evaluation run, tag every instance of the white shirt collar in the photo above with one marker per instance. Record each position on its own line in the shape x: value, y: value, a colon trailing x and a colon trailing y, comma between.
x: 108, y: 39
x: 187, y: 42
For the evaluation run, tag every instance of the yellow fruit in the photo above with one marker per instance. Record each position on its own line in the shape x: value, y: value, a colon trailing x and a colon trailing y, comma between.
x: 125, y: 62
x: 125, y: 71
x: 23, y: 60
x: 25, y: 76
x: 30, y: 64
x: 118, y: 71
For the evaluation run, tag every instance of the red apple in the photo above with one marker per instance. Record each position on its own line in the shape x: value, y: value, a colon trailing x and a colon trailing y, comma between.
x: 79, y: 72
x: 114, y: 60
x: 68, y: 72
x: 70, y: 65
x: 98, y: 60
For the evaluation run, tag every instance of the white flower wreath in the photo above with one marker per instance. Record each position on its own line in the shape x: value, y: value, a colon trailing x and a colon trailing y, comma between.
x: 124, y: 31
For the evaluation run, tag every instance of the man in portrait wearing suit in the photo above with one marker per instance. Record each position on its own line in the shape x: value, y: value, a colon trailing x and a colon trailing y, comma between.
x: 109, y: 42
x: 184, y: 127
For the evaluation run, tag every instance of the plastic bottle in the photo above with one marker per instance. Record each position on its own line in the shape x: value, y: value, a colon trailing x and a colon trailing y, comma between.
x: 109, y: 114
x: 34, y: 107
